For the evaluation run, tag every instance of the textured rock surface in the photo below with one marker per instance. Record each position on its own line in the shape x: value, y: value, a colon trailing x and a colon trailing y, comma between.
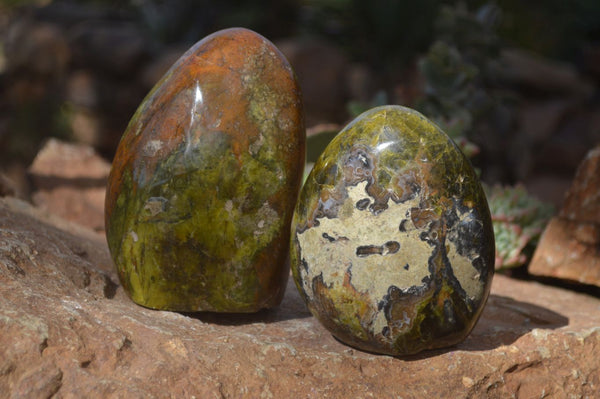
x: 392, y: 240
x: 67, y: 328
x: 203, y: 183
x: 568, y: 248
x: 69, y: 180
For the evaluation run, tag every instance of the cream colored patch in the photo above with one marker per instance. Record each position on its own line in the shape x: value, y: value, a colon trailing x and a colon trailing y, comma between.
x: 152, y: 147
x: 256, y: 145
x: 330, y: 249
x: 155, y: 205
x: 354, y: 228
x: 176, y: 347
x: 267, y: 218
x: 228, y: 206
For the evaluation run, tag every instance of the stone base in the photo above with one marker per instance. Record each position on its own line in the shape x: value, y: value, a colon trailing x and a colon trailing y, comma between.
x: 68, y: 329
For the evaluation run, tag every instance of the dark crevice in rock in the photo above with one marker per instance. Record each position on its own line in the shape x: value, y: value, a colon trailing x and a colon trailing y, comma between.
x: 110, y: 288
x: 47, y: 182
x: 55, y: 384
x: 522, y: 366
x: 43, y: 345
x: 14, y: 268
x: 7, y: 369
x: 521, y: 273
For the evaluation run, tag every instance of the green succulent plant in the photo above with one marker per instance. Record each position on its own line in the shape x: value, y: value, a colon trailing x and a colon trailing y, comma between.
x: 457, y: 72
x: 518, y: 219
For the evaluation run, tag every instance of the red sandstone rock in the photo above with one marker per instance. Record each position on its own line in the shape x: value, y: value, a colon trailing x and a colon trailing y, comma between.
x: 67, y: 329
x: 70, y: 180
x: 582, y: 202
x: 568, y: 248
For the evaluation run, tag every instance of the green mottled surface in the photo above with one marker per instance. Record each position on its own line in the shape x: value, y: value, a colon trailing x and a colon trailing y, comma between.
x: 392, y: 241
x: 203, y: 184
x: 184, y: 222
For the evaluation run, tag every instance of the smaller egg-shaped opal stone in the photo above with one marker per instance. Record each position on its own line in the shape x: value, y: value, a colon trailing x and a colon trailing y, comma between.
x: 204, y: 181
x: 392, y: 241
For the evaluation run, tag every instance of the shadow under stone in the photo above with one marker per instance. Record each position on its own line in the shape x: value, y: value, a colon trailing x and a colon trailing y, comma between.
x: 503, y: 321
x: 291, y: 307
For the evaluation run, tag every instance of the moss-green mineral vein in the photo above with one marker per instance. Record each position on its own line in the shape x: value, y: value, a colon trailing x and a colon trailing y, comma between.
x: 188, y: 230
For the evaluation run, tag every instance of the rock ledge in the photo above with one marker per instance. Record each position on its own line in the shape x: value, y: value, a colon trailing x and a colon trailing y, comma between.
x: 67, y: 329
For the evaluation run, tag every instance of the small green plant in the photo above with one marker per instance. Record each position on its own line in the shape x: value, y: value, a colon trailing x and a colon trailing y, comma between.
x: 518, y: 220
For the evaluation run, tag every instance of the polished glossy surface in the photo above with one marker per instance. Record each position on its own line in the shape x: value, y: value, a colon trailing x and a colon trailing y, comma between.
x: 203, y: 184
x: 392, y: 241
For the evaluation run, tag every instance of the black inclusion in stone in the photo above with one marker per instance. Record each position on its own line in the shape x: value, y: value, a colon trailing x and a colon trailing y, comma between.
x: 328, y: 237
x: 366, y: 250
x: 304, y: 265
x: 385, y: 331
x: 406, y: 266
x: 425, y: 237
x: 402, y: 227
x: 377, y: 207
x: 390, y: 247
x: 362, y: 204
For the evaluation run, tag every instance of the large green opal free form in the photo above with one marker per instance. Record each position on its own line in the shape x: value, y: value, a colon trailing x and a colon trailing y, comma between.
x: 204, y: 181
x: 392, y: 241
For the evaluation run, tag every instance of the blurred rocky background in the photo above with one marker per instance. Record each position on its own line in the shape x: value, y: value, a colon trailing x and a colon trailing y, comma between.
x: 520, y: 81
x: 516, y: 85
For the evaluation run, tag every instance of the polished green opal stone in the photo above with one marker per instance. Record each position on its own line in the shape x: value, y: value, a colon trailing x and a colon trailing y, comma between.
x: 392, y: 243
x: 204, y: 181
